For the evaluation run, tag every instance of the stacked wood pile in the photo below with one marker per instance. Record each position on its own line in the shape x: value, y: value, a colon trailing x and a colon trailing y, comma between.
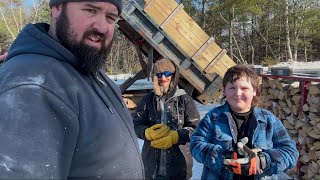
x: 283, y: 98
x: 310, y: 137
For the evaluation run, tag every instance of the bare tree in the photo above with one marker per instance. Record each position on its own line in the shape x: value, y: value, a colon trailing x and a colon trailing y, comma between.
x: 15, y: 14
x: 287, y: 30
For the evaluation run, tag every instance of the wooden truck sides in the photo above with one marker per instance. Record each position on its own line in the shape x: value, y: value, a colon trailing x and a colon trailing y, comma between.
x: 161, y: 28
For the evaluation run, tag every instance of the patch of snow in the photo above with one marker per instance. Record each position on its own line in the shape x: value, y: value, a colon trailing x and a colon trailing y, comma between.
x: 139, y: 84
x: 299, y: 65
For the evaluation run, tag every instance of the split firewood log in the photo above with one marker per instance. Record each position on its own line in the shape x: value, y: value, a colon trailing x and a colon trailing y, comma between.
x: 287, y: 124
x: 296, y: 99
x: 314, y: 89
x: 295, y: 109
x: 314, y: 108
x: 299, y: 124
x: 305, y: 107
x: 289, y: 103
x: 272, y: 83
x: 264, y: 91
x: 313, y: 166
x: 294, y: 85
x: 317, y: 153
x: 287, y: 110
x: 316, y: 146
x: 294, y: 91
x: 314, y: 134
x: 265, y: 83
x: 313, y: 99
x: 314, y: 117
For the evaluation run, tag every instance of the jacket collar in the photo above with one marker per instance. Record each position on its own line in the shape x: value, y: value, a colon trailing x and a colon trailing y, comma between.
x: 257, y: 113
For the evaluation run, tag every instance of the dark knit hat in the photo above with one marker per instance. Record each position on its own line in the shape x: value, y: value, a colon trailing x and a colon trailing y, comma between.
x: 117, y: 3
x: 163, y: 65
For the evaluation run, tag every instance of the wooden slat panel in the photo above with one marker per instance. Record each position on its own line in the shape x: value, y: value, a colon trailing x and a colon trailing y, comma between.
x: 180, y: 34
x: 183, y: 28
x: 221, y: 67
x: 155, y: 14
x: 169, y: 5
x: 189, y: 29
x: 149, y: 3
x: 180, y: 40
x: 163, y: 7
x: 203, y: 47
x: 211, y: 52
x: 194, y: 28
x: 214, y: 69
x: 227, y: 61
x: 187, y: 33
x: 208, y: 54
x: 215, y: 61
x: 189, y: 36
x: 172, y: 15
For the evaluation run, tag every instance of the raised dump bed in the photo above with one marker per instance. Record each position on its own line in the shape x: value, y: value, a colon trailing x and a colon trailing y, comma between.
x: 161, y: 28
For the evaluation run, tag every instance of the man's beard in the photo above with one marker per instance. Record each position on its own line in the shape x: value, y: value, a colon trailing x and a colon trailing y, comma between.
x: 164, y: 89
x: 91, y: 59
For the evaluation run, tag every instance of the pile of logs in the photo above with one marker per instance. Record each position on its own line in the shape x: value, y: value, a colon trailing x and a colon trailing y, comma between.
x: 283, y: 98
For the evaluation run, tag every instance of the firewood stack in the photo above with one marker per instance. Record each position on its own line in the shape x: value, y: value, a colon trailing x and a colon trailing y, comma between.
x: 309, y: 137
x: 283, y: 98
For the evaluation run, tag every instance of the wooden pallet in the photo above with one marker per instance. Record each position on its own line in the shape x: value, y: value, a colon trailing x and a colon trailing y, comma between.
x: 189, y: 36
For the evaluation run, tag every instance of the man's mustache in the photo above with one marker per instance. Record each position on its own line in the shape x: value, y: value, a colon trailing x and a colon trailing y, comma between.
x: 95, y: 33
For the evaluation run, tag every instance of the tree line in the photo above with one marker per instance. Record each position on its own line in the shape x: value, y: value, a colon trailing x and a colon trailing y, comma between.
x: 253, y: 31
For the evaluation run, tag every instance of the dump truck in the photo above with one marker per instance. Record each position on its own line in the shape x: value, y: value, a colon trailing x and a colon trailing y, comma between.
x: 161, y: 28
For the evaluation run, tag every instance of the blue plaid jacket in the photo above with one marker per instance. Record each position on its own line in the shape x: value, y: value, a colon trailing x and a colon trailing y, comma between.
x: 215, y: 135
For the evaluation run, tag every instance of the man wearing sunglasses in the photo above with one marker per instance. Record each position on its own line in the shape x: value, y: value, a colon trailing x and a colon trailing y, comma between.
x: 165, y: 119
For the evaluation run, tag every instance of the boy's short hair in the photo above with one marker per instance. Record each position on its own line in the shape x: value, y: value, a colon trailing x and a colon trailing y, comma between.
x: 236, y: 72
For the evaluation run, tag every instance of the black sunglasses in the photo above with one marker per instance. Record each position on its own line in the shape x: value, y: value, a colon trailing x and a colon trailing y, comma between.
x: 166, y: 74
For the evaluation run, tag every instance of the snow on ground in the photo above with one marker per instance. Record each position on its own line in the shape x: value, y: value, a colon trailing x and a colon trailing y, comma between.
x: 297, y: 67
x: 203, y: 109
x: 300, y: 65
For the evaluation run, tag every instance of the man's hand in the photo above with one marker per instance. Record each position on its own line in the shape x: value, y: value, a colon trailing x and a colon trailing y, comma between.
x: 156, y: 131
x: 167, y: 141
x: 249, y: 165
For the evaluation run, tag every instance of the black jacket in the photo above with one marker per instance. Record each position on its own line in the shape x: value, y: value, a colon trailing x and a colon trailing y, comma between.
x: 58, y: 123
x: 182, y: 115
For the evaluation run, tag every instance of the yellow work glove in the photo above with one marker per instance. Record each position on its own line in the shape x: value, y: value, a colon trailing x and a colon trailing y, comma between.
x: 156, y: 131
x: 167, y: 141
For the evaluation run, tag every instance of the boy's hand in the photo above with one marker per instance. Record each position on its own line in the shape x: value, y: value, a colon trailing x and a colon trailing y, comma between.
x: 249, y: 165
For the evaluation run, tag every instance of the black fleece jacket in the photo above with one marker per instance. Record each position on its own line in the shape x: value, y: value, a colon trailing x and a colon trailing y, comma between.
x: 59, y: 123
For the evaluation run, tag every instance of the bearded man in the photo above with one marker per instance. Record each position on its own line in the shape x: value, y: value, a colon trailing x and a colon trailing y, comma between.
x: 61, y: 116
x: 165, y: 120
